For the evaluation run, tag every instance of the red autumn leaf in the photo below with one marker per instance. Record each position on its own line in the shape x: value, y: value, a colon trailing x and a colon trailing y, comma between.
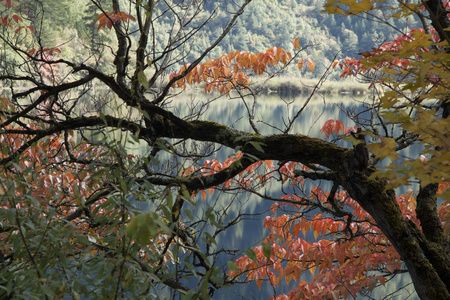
x: 328, y: 127
x: 108, y: 19
x: 338, y: 126
x: 5, y: 22
x: 17, y: 19
x: 7, y: 2
x: 31, y: 52
x: 296, y: 229
x: 18, y: 29
x: 54, y: 50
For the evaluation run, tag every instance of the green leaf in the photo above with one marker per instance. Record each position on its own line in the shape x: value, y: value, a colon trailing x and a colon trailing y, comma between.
x: 190, y: 267
x: 257, y: 146
x: 189, y: 214
x: 252, y: 255
x: 267, y: 250
x: 231, y: 265
x: 123, y: 185
x: 210, y: 240
x: 142, y: 79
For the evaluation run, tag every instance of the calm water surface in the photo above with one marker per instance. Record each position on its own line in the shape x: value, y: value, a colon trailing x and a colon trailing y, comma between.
x: 277, y: 112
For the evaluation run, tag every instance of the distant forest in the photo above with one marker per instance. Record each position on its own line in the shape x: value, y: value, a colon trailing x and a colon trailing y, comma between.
x: 263, y: 24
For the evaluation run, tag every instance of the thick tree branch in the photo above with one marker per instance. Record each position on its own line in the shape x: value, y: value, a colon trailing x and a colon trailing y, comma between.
x: 205, y: 182
x: 381, y: 204
x: 439, y: 19
x: 436, y: 244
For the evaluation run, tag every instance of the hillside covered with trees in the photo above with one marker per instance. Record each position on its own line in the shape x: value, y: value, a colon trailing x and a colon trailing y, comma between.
x: 263, y: 24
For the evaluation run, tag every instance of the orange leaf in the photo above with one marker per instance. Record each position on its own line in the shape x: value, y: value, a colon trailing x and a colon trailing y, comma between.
x: 259, y: 283
x: 296, y: 43
x: 289, y: 55
x: 189, y: 77
x: 345, y: 293
x: 231, y: 55
x: 306, y: 228
x: 221, y: 88
x: 334, y: 64
x: 99, y: 18
x: 283, y: 58
x: 296, y: 229
x: 311, y: 65
x: 300, y: 64
x: 31, y: 52
x: 328, y: 127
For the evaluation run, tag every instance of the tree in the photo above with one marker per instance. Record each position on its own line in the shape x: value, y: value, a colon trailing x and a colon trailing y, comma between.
x: 412, y: 71
x: 83, y: 216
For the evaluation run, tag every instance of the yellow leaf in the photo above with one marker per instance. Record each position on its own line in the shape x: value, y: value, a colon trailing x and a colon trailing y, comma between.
x: 386, y: 148
x: 312, y: 270
x: 363, y: 6
x: 316, y: 233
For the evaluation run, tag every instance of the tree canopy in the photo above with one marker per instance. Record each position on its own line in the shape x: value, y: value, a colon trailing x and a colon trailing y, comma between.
x: 83, y: 216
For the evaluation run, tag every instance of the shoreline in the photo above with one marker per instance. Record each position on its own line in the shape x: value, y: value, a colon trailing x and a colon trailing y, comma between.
x: 287, y: 86
x: 292, y: 86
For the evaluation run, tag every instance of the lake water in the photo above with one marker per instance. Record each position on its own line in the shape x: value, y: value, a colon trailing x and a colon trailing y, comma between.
x: 276, y: 111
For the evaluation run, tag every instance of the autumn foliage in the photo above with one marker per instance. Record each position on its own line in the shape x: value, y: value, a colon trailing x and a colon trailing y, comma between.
x: 107, y: 19
x: 229, y: 72
x: 349, y: 256
x: 75, y: 203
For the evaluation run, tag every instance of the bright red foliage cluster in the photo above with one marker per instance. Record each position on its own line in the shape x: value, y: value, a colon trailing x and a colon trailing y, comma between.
x: 413, y: 40
x: 336, y: 126
x: 353, y: 252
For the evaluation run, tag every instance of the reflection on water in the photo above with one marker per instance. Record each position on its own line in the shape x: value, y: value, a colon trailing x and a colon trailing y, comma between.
x: 270, y: 116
